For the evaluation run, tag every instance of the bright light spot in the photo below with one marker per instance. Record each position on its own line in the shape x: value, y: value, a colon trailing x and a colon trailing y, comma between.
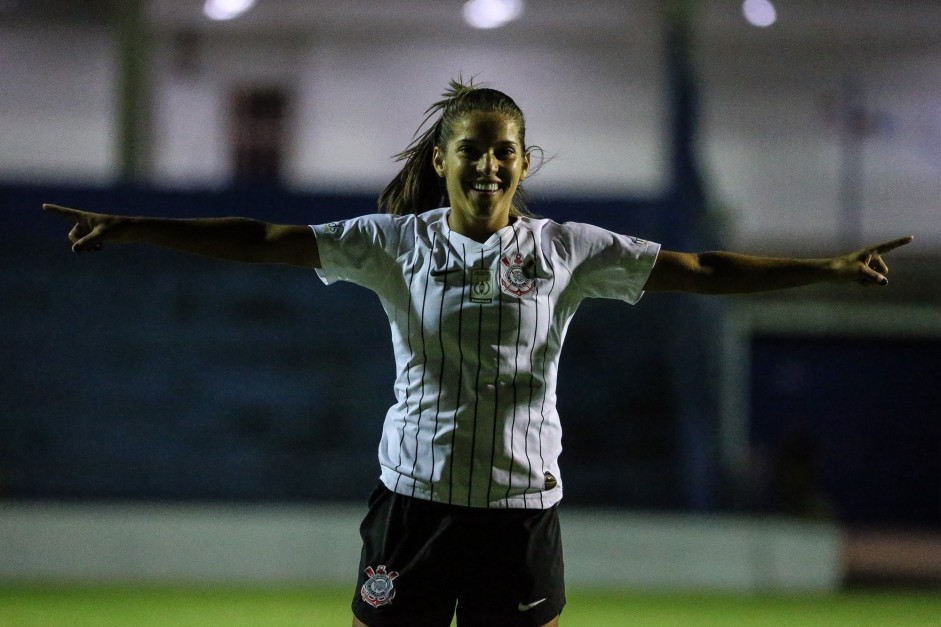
x: 491, y: 13
x: 226, y: 9
x: 759, y: 13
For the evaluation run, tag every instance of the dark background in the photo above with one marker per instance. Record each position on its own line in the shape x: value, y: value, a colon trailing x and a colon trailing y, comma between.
x: 143, y: 374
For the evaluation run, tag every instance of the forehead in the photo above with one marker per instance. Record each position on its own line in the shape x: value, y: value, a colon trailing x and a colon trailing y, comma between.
x: 486, y: 127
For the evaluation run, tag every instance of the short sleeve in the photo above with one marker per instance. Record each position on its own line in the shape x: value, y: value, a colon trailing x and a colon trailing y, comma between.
x: 605, y: 264
x: 359, y: 250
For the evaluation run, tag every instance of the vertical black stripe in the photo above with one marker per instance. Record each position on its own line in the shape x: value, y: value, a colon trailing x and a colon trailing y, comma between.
x: 460, y: 369
x: 532, y: 372
x: 545, y: 387
x: 442, y: 294
x: 408, y: 378
x: 424, y: 364
x: 480, y: 322
x: 516, y: 370
x: 496, y: 378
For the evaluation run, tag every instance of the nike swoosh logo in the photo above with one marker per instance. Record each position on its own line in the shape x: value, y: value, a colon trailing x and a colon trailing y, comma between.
x: 525, y: 607
x: 443, y: 271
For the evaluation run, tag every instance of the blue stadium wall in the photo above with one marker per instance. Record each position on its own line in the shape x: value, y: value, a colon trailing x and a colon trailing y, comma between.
x: 144, y: 373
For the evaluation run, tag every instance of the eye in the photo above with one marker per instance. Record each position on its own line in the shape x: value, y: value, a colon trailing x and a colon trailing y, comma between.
x: 466, y: 151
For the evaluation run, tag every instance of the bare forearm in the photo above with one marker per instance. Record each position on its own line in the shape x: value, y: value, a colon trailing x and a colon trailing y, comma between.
x: 237, y: 239
x: 733, y: 273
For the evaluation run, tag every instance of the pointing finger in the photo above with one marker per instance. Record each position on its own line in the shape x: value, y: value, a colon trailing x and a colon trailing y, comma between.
x: 66, y: 212
x: 881, y: 249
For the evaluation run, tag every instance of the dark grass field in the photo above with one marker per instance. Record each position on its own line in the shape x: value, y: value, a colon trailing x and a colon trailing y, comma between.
x: 126, y: 606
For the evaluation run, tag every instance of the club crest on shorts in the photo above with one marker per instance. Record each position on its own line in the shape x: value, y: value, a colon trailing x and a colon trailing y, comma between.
x: 517, y: 278
x: 378, y: 589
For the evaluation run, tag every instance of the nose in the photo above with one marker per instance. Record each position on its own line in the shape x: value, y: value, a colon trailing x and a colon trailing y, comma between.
x: 487, y: 163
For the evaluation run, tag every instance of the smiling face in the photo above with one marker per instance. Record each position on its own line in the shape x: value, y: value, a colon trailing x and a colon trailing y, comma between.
x: 482, y: 164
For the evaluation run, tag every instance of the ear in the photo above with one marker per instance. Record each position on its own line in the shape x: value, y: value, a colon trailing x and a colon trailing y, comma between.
x: 437, y: 160
x: 526, y: 161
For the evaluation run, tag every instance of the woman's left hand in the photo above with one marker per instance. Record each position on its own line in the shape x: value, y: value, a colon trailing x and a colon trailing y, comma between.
x: 866, y: 266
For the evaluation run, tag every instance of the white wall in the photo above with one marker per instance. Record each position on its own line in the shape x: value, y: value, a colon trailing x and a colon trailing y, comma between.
x: 360, y: 100
x: 600, y: 121
x: 770, y: 143
x: 773, y: 146
x: 57, y: 104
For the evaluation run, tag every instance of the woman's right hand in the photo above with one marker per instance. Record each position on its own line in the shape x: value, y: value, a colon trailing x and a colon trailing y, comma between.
x: 91, y: 230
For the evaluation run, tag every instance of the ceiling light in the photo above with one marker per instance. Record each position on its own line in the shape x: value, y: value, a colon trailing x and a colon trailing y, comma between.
x: 760, y: 13
x: 491, y: 13
x: 226, y: 9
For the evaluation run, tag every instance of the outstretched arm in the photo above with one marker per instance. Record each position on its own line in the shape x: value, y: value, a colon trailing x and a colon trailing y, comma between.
x: 732, y: 273
x: 236, y: 239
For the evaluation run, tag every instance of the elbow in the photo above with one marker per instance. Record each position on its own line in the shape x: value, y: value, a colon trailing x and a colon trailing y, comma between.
x: 680, y: 272
x: 714, y: 273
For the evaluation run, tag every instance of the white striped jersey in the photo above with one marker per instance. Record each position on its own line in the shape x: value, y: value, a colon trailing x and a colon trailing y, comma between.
x: 477, y: 330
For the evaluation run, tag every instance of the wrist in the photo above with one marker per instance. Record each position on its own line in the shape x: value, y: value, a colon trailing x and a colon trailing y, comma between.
x: 839, y: 269
x: 125, y: 229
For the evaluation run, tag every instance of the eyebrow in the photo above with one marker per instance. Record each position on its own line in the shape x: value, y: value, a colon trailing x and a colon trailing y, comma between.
x: 505, y: 142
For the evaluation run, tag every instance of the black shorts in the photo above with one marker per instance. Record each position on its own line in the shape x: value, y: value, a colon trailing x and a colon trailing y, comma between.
x: 498, y: 567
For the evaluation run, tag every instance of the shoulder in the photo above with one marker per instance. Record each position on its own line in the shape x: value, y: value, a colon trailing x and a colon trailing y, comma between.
x: 432, y: 215
x: 598, y: 236
x: 405, y: 222
x: 580, y: 241
x: 367, y: 225
x: 384, y: 220
x: 374, y: 231
x: 543, y: 228
x: 564, y: 234
x: 433, y: 219
x: 584, y: 230
x: 408, y: 230
x: 552, y: 228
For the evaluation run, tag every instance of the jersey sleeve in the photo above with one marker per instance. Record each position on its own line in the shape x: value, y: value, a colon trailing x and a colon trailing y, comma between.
x: 605, y: 264
x: 359, y: 250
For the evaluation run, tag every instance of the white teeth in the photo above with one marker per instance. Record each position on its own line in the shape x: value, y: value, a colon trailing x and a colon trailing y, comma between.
x: 486, y: 187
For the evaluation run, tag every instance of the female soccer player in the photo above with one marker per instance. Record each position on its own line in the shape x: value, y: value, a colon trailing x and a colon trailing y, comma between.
x: 479, y: 294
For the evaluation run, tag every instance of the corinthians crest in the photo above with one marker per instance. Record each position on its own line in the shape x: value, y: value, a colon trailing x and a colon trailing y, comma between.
x: 378, y: 589
x: 516, y: 277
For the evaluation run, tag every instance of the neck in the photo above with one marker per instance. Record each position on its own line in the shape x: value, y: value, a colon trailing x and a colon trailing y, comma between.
x: 478, y: 230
